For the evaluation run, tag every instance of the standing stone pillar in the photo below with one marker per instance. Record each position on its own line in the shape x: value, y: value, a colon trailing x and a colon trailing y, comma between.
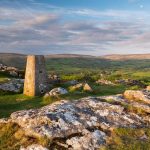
x: 36, y: 79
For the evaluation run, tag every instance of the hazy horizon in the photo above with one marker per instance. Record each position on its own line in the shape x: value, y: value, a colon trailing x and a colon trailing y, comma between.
x: 87, y: 27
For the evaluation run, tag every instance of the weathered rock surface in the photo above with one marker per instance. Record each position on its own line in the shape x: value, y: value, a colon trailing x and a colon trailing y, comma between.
x: 105, y: 82
x: 34, y: 147
x: 14, y: 85
x: 77, y: 86
x: 138, y: 95
x: 72, y: 82
x: 87, y: 87
x: 91, y: 140
x: 54, y: 79
x: 148, y: 88
x: 131, y: 82
x: 120, y: 99
x: 57, y: 91
x: 10, y: 70
x: 81, y: 86
x: 81, y: 124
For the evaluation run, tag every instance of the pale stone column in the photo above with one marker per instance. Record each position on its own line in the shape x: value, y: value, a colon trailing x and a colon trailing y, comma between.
x: 36, y: 79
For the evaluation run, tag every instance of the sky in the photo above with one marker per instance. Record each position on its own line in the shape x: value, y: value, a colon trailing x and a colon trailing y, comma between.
x: 88, y: 27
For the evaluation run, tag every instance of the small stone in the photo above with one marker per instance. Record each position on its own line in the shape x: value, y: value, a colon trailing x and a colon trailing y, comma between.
x: 148, y: 88
x: 46, y: 95
x: 58, y: 91
x: 72, y: 82
x: 137, y: 95
x: 87, y: 88
x: 12, y: 86
x: 105, y: 82
x: 76, y: 87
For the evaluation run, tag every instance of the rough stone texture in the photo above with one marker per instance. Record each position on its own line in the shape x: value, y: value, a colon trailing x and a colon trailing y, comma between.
x: 87, y: 88
x: 91, y: 140
x: 36, y: 79
x: 148, y: 88
x: 72, y: 82
x: 77, y: 86
x: 119, y: 98
x: 10, y: 70
x: 34, y: 147
x: 54, y: 79
x: 14, y: 85
x: 138, y: 95
x: 57, y: 91
x: 131, y: 82
x: 105, y: 82
x: 145, y: 108
x: 80, y: 124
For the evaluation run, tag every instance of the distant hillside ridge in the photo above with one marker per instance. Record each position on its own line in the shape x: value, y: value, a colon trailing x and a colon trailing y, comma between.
x: 19, y: 60
x: 13, y: 59
x: 126, y: 57
x: 69, y: 56
x: 75, y: 62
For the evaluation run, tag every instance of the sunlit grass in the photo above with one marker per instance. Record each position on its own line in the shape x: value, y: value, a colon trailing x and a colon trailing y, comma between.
x: 129, y: 139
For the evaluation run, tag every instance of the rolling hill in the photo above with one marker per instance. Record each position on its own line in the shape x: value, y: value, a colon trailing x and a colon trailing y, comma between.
x: 75, y: 63
x: 127, y: 57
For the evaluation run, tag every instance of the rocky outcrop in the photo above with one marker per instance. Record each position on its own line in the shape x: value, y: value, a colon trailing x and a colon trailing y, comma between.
x: 81, y: 86
x: 34, y: 147
x: 54, y: 79
x: 11, y: 70
x: 56, y: 92
x: 138, y: 95
x: 78, y: 86
x: 15, y: 85
x: 131, y: 82
x: 81, y: 124
x: 148, y: 88
x: 87, y: 88
x: 121, y: 100
x: 105, y: 82
x: 72, y: 82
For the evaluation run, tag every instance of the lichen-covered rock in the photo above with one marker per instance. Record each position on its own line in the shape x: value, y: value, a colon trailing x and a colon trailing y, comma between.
x: 120, y: 99
x: 137, y: 95
x: 76, y: 87
x: 91, y: 140
x: 34, y: 147
x: 12, y: 86
x: 77, y: 122
x: 105, y: 82
x: 145, y: 108
x: 72, y: 82
x: 80, y: 124
x: 131, y: 82
x: 57, y: 91
x: 10, y: 70
x: 87, y: 88
x: 148, y: 88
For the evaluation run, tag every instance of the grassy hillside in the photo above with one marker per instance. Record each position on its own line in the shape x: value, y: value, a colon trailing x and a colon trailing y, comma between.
x: 75, y: 63
x: 80, y: 64
x: 127, y: 57
x: 15, y: 60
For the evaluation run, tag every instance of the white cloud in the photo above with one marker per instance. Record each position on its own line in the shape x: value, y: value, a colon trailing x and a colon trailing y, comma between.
x: 99, y: 32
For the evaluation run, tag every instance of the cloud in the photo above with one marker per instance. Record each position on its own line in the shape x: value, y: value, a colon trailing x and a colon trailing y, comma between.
x: 73, y: 31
